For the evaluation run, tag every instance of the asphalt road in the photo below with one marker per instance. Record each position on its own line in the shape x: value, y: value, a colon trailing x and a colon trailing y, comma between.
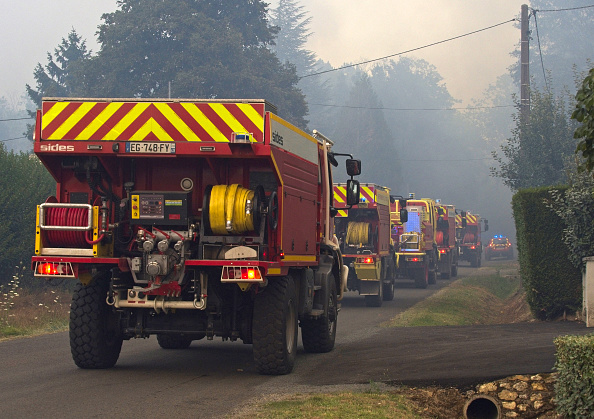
x: 210, y: 379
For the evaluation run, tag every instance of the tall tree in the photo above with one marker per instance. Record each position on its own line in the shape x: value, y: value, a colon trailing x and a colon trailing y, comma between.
x: 363, y: 131
x: 535, y: 154
x: 192, y: 49
x: 584, y: 114
x: 60, y: 76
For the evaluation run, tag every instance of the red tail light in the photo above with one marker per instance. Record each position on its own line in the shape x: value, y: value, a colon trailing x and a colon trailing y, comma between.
x: 365, y: 260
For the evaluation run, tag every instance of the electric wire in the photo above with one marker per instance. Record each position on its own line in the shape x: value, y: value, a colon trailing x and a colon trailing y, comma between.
x: 410, y: 50
x: 566, y: 9
x: 455, y: 108
x: 12, y: 139
x: 544, y: 76
x: 17, y: 119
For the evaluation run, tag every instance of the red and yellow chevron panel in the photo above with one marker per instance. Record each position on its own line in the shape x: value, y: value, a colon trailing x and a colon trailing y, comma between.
x: 369, y: 194
x: 470, y: 219
x: 151, y: 121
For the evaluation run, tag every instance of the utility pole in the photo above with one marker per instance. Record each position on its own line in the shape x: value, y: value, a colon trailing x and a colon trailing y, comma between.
x: 524, y: 66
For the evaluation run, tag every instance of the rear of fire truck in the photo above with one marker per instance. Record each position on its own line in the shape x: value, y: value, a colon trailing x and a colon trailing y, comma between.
x: 363, y: 232
x: 189, y: 219
x: 446, y: 240
x: 416, y: 249
x: 468, y: 231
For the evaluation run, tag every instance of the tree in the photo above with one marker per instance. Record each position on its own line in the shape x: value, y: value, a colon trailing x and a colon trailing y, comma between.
x: 584, y: 114
x: 192, y: 49
x: 535, y: 154
x: 59, y: 77
x: 363, y: 131
x: 24, y: 183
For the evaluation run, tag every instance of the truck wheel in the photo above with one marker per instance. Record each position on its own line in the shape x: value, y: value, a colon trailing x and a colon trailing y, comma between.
x: 389, y: 291
x: 432, y: 277
x: 454, y: 271
x: 421, y: 277
x: 318, y: 335
x: 95, y: 338
x: 173, y: 341
x: 274, y: 327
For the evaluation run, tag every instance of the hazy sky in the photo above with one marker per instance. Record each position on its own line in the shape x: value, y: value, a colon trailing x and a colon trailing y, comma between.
x: 343, y: 31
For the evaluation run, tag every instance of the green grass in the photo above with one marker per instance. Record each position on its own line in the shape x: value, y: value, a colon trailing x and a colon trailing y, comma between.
x: 339, y: 405
x: 468, y: 301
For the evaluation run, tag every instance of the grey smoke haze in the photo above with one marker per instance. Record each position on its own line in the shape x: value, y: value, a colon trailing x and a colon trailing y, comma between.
x: 342, y: 32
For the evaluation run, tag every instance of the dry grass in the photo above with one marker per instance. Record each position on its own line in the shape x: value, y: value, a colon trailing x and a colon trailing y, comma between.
x: 24, y: 312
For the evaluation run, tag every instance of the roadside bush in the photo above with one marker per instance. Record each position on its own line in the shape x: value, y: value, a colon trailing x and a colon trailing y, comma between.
x: 552, y: 284
x: 574, y: 388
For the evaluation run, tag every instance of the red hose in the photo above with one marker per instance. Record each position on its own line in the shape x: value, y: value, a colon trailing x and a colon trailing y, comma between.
x: 68, y: 217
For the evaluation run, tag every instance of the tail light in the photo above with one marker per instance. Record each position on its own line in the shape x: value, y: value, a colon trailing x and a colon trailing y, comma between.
x: 365, y: 260
x: 54, y: 269
x: 241, y: 273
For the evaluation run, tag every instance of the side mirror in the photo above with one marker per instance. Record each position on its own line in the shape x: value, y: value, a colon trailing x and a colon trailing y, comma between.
x: 463, y: 222
x: 332, y: 159
x: 353, y: 167
x: 486, y: 225
x: 353, y: 192
x: 403, y: 215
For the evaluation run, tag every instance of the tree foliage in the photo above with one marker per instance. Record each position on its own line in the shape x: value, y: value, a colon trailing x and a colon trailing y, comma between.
x: 363, y: 131
x: 60, y: 76
x: 24, y: 182
x: 192, y: 49
x: 574, y: 207
x: 534, y: 156
x: 584, y: 114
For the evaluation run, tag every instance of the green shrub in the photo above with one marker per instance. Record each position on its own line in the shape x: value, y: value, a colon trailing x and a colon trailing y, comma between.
x: 552, y: 284
x: 574, y: 388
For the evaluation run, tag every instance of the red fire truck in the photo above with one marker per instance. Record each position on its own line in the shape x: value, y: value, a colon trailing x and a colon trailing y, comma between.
x: 468, y: 232
x: 190, y: 219
x: 445, y: 238
x: 363, y: 232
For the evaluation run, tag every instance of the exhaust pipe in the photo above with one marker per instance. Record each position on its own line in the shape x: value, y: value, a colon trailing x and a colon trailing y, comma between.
x: 482, y: 407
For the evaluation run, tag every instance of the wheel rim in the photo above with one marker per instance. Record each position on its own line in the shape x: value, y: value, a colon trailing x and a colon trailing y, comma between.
x: 290, y: 328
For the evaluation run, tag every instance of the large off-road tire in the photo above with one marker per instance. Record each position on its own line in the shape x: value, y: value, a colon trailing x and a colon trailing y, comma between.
x: 432, y: 277
x: 318, y: 335
x: 274, y: 327
x: 389, y: 290
x: 474, y: 260
x: 389, y: 287
x: 421, y: 277
x: 173, y: 341
x: 95, y: 338
x: 446, y: 274
x: 454, y: 271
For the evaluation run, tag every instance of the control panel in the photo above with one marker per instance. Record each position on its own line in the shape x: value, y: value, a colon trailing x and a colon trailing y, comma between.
x: 160, y: 208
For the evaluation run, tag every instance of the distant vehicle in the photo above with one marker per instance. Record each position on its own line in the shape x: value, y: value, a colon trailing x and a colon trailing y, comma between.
x: 499, y: 246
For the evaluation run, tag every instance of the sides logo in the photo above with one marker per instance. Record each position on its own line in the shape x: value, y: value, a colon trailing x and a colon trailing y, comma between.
x: 56, y: 147
x: 277, y: 138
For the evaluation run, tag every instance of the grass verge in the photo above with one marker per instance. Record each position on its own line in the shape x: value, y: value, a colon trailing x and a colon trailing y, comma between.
x: 468, y: 301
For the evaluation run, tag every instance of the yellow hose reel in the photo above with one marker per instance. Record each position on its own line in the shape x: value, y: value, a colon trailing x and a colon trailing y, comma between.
x: 358, y: 233
x: 232, y: 209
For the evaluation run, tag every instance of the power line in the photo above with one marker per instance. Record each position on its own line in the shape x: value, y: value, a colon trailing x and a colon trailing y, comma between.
x: 444, y: 160
x: 540, y: 51
x: 12, y: 139
x: 564, y: 10
x: 410, y: 50
x: 410, y: 109
x: 16, y: 119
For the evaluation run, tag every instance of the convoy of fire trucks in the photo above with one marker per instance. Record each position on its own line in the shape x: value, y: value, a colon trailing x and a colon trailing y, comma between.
x: 190, y: 219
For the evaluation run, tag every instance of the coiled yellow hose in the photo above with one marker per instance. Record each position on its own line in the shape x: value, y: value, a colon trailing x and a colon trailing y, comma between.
x: 228, y: 209
x: 357, y: 233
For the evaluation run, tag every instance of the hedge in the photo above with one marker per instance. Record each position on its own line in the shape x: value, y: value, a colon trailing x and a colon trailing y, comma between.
x: 553, y: 285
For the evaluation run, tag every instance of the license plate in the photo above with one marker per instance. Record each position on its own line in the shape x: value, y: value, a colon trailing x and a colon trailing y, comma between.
x: 150, y: 148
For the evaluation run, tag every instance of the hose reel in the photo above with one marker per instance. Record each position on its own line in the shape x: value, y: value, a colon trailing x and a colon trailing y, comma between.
x: 232, y: 209
x: 358, y: 233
